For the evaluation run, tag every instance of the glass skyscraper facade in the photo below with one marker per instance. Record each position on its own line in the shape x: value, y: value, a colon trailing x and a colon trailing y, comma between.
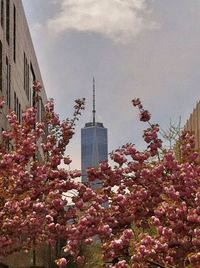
x: 94, y: 147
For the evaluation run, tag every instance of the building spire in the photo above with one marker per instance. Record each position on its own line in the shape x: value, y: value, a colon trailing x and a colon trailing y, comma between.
x: 94, y: 108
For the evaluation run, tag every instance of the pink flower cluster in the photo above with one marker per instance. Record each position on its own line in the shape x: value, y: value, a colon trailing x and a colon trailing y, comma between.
x: 145, y: 214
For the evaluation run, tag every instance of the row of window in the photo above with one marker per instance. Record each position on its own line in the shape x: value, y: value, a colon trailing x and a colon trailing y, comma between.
x: 29, y: 77
x: 8, y: 15
x: 7, y: 93
x: 18, y: 109
x: 7, y: 20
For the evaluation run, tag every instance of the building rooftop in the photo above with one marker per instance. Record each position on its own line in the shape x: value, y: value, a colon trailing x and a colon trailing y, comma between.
x: 96, y: 124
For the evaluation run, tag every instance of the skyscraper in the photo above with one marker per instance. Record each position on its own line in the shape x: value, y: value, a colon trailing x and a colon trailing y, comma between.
x: 94, y: 143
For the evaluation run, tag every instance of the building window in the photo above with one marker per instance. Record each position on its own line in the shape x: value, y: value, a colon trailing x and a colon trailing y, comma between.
x: 24, y: 72
x: 1, y: 130
x: 8, y: 79
x: 19, y: 112
x: 8, y: 20
x: 1, y: 67
x: 2, y: 13
x: 32, y: 79
x: 15, y: 103
x: 26, y: 77
x: 36, y: 100
x: 14, y: 33
x: 17, y: 108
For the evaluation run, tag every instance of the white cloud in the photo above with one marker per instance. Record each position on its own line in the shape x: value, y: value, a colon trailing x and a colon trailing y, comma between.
x: 119, y: 20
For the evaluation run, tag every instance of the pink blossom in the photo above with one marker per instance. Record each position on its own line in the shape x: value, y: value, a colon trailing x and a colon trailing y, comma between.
x: 62, y: 262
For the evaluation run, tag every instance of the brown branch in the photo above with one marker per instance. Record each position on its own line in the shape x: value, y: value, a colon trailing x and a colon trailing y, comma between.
x: 157, y: 264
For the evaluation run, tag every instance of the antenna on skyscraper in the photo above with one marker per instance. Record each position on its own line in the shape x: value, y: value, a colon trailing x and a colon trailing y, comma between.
x: 93, y: 111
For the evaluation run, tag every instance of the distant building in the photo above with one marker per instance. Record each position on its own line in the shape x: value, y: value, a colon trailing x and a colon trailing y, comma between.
x: 18, y: 63
x: 94, y: 144
x: 193, y: 124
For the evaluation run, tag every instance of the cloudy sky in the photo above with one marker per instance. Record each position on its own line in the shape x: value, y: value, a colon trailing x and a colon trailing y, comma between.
x: 134, y: 48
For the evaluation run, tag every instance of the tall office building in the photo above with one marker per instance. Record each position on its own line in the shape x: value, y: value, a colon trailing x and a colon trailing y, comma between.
x: 94, y: 144
x: 18, y: 63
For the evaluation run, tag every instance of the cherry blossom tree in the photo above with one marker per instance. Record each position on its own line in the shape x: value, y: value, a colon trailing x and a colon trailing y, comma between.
x: 32, y: 207
x: 146, y: 213
x: 153, y: 217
